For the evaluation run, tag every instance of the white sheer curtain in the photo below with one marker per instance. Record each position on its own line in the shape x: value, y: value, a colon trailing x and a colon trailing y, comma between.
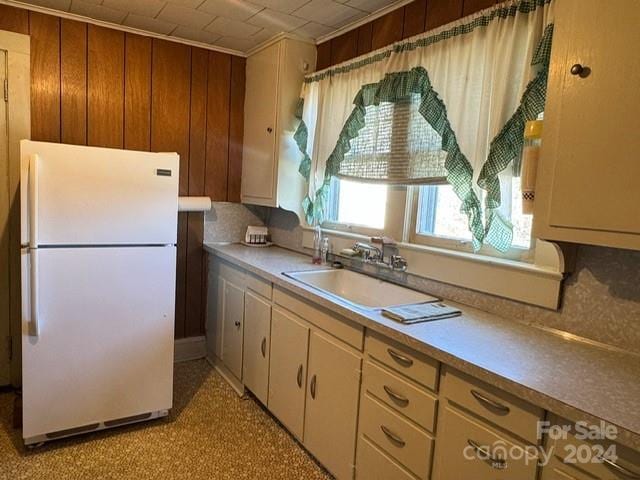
x: 480, y: 73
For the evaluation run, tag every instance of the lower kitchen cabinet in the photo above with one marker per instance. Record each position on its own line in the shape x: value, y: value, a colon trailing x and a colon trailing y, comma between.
x: 257, y: 344
x: 332, y: 404
x: 288, y: 370
x: 232, y: 331
x: 466, y: 447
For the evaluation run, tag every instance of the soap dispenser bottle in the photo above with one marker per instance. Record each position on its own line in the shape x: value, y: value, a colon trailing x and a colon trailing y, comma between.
x: 317, y: 245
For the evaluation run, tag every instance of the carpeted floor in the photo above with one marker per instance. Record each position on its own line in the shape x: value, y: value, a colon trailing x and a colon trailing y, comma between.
x: 210, y: 434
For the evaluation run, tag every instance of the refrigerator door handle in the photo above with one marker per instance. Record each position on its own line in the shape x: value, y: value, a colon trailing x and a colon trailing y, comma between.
x: 34, y: 160
x: 34, y: 326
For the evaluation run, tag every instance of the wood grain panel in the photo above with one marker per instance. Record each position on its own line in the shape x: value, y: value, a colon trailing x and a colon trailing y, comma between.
x: 440, y: 12
x: 324, y: 55
x: 170, y: 105
x: 14, y: 19
x: 344, y: 47
x: 137, y: 92
x: 105, y: 86
x: 181, y: 276
x: 415, y: 14
x: 473, y: 6
x: 236, y: 128
x: 387, y: 29
x: 364, y: 38
x: 73, y: 81
x: 45, y: 77
x: 194, y: 311
x: 218, y: 126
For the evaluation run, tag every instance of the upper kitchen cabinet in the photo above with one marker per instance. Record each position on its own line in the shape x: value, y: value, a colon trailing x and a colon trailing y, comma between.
x: 587, y: 186
x: 270, y: 157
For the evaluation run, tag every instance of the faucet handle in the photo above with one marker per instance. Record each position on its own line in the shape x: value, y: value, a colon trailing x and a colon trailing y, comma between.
x: 398, y: 262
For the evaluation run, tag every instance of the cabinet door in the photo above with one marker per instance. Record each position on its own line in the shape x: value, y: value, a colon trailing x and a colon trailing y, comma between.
x: 255, y: 355
x: 288, y: 370
x: 258, y: 153
x: 332, y: 405
x: 232, y: 328
x: 591, y: 142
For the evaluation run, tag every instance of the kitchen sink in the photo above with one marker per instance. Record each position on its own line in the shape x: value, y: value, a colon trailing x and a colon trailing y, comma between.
x: 358, y: 289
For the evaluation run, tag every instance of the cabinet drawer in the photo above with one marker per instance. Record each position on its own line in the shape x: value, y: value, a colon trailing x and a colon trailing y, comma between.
x: 556, y: 470
x: 416, y: 366
x: 467, y: 448
x: 258, y: 285
x: 502, y: 409
x: 404, y: 397
x: 341, y: 328
x: 402, y: 440
x: 374, y: 464
x: 584, y: 455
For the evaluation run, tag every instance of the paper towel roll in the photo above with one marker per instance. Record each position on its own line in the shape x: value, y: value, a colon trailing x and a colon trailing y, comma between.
x: 194, y: 204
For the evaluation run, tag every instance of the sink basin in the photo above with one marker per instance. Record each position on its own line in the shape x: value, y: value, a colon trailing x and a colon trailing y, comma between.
x: 358, y: 289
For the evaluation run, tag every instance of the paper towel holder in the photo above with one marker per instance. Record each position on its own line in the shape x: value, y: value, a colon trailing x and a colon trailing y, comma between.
x: 194, y: 204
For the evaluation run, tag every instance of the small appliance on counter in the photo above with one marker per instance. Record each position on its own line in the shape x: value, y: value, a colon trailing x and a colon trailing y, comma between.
x: 257, y: 237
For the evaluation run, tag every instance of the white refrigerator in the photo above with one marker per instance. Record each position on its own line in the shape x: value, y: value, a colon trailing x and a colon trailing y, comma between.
x: 98, y: 287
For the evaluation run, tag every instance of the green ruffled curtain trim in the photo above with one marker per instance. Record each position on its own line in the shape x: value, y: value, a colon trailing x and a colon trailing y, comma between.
x: 499, y: 12
x: 301, y: 136
x: 507, y: 146
x: 395, y: 87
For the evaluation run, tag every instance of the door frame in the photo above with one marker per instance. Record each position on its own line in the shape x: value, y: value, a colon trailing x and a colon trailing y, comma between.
x: 18, y: 54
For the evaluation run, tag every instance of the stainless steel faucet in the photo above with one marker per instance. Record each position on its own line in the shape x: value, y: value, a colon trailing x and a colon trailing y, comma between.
x: 374, y: 255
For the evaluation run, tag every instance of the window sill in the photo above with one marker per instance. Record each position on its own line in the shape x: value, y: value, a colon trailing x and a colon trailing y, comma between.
x: 536, y: 283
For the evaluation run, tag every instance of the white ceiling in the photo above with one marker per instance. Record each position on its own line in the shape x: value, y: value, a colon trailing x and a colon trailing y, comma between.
x: 231, y: 24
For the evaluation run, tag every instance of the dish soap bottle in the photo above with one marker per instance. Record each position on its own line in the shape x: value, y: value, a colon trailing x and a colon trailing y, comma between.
x: 317, y: 246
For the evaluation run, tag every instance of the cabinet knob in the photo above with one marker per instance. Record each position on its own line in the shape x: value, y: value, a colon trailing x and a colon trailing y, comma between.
x: 580, y: 70
x: 237, y: 324
x: 269, y: 129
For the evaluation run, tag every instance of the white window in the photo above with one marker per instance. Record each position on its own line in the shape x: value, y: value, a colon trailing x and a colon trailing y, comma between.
x: 357, y: 204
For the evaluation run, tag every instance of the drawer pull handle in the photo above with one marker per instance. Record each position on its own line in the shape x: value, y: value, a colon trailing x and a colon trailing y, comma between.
x: 485, y: 455
x: 312, y: 388
x: 299, y: 377
x: 618, y: 468
x: 396, y: 396
x: 392, y: 436
x: 401, y: 359
x: 492, y: 404
x: 263, y: 347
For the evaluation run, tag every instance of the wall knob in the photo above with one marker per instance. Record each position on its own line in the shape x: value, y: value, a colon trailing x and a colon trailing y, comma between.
x: 578, y: 69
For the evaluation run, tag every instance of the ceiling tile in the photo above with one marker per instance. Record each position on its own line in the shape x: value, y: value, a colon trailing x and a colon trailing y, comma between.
x: 54, y: 4
x: 313, y: 30
x: 232, y: 28
x: 328, y: 13
x: 195, y: 35
x: 242, y: 44
x: 187, y: 17
x: 370, y: 5
x: 234, y: 9
x: 263, y: 35
x: 97, y: 12
x: 280, y: 22
x: 187, y: 3
x: 284, y: 6
x: 149, y: 8
x: 150, y: 24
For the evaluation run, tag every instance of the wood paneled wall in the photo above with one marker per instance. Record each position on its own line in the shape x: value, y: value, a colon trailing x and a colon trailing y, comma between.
x: 411, y: 19
x: 97, y: 86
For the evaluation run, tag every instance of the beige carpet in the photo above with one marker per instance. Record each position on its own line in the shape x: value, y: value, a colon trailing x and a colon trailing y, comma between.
x: 210, y: 434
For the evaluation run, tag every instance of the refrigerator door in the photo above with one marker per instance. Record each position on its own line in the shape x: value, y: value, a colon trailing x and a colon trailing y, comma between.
x: 97, y: 335
x: 76, y: 195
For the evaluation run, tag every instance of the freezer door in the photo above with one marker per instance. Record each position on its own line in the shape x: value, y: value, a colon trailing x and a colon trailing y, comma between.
x: 103, y: 346
x: 76, y: 195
